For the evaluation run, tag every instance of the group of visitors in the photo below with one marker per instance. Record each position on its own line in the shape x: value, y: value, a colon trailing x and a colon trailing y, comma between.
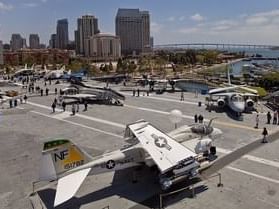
x: 275, y: 120
x: 198, y: 118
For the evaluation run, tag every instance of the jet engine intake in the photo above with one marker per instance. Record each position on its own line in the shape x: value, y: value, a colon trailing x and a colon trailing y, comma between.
x: 221, y: 102
x: 249, y: 103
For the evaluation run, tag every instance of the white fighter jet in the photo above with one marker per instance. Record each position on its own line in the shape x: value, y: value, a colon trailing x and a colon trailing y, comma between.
x: 233, y: 97
x: 24, y: 71
x: 80, y: 92
x: 57, y: 74
x: 178, y: 156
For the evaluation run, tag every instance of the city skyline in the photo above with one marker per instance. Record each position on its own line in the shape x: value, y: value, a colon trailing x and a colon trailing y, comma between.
x: 178, y: 22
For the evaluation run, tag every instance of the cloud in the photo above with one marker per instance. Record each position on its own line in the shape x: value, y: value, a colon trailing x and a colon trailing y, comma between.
x: 189, y: 30
x: 5, y: 7
x: 156, y: 27
x: 257, y: 20
x: 263, y: 18
x: 197, y: 17
x: 181, y: 18
x: 223, y: 25
x: 171, y: 19
x: 30, y: 5
x: 44, y: 1
x: 254, y: 28
x: 249, y: 28
x: 272, y: 13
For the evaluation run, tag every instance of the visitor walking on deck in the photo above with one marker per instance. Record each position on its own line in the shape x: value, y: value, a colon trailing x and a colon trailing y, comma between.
x: 182, y: 96
x: 53, y: 107
x: 268, y: 116
x: 257, y: 121
x: 265, y: 133
x: 73, y: 109
x: 196, y: 118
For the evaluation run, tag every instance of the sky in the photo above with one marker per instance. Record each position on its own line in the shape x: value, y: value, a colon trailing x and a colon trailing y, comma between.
x: 172, y: 21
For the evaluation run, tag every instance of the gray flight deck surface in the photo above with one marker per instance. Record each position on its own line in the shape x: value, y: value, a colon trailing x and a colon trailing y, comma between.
x: 250, y: 182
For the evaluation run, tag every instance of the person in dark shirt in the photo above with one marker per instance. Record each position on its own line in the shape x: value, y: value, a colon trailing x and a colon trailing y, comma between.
x: 25, y: 98
x: 268, y: 116
x: 85, y: 106
x: 64, y: 106
x: 264, y: 133
x: 53, y: 107
x: 196, y: 118
x: 182, y: 96
x: 200, y: 118
x: 47, y: 90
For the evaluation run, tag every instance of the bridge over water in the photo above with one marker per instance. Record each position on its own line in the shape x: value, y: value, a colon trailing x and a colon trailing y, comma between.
x: 214, y: 45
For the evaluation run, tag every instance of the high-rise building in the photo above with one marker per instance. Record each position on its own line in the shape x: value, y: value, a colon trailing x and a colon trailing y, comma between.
x: 52, y: 41
x: 133, y: 28
x: 42, y: 46
x: 24, y: 44
x: 6, y: 47
x: 151, y: 42
x: 87, y: 26
x: 34, y: 41
x: 62, y: 34
x: 1, y: 53
x: 17, y: 42
x: 103, y: 47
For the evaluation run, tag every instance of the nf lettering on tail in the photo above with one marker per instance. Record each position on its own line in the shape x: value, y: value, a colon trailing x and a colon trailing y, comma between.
x: 61, y: 155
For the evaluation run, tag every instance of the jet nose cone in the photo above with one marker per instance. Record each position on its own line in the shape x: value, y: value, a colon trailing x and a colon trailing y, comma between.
x: 239, y: 106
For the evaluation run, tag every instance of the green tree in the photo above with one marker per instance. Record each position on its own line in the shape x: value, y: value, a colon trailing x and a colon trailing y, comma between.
x: 132, y: 67
x: 119, y: 65
x: 210, y: 56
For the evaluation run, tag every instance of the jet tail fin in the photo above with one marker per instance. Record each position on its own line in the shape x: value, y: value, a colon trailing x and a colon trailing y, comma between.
x: 210, y: 122
x: 63, y: 68
x: 59, y: 156
x: 68, y: 186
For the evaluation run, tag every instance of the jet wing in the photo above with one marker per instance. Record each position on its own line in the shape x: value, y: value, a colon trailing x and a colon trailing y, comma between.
x: 254, y: 91
x: 224, y: 94
x: 249, y: 95
x: 68, y: 186
x: 225, y: 89
x: 234, y: 87
x: 80, y: 96
x: 164, y: 150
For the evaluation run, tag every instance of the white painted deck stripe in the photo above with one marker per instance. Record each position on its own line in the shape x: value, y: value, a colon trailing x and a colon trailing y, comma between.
x: 81, y: 116
x: 78, y: 124
x: 167, y: 99
x: 252, y: 158
x: 254, y: 175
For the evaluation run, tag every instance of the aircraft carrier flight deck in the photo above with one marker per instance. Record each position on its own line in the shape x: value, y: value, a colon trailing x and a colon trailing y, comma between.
x: 249, y: 182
